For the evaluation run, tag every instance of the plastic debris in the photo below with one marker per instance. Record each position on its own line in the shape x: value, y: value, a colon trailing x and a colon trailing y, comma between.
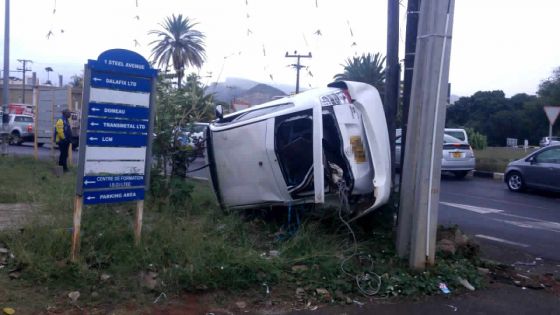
x: 443, y: 287
x: 358, y: 303
x: 465, y: 283
x: 267, y: 288
x: 453, y: 307
x: 8, y: 311
x: 533, y: 263
x: 74, y: 295
x: 160, y: 296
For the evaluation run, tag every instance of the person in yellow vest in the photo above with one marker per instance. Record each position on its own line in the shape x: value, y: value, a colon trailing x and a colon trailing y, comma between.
x: 62, y: 137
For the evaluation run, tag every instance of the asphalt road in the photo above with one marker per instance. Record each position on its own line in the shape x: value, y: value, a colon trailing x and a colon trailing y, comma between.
x: 44, y: 153
x: 525, y: 222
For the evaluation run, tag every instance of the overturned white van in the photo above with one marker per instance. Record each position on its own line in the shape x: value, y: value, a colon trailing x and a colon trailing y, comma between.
x: 304, y: 149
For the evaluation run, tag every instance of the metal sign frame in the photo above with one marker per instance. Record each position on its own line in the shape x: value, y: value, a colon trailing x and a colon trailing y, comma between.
x: 122, y: 78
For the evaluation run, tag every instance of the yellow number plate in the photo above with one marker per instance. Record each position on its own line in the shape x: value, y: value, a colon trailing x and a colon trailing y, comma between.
x: 457, y: 155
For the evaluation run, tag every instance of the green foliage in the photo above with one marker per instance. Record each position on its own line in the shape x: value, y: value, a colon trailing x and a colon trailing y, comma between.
x: 477, y: 140
x: 549, y: 90
x: 178, y: 43
x: 366, y: 68
x: 498, y: 117
x: 176, y: 110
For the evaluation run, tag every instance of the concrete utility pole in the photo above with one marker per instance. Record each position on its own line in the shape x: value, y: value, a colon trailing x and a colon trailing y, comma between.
x: 412, y: 14
x: 5, y: 86
x: 392, y: 71
x: 297, y: 66
x: 422, y: 166
x: 24, y: 70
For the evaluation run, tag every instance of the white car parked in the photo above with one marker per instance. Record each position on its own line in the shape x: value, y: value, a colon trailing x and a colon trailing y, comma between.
x: 304, y: 149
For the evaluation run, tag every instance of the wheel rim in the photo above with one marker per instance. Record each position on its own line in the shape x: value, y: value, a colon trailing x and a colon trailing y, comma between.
x: 515, y: 182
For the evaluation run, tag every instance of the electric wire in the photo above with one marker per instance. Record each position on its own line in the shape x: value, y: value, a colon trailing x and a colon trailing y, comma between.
x: 368, y: 282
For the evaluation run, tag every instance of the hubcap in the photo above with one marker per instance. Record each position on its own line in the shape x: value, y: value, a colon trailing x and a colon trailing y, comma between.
x: 515, y: 182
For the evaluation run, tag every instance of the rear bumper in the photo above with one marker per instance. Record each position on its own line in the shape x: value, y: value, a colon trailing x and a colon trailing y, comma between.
x: 460, y: 165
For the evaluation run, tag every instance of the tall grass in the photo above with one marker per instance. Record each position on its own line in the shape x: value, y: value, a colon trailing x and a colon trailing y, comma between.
x: 191, y: 247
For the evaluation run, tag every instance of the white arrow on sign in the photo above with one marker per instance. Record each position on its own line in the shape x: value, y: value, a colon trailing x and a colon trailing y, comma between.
x: 93, y: 139
x: 95, y: 109
x: 97, y: 79
x: 552, y: 113
x: 90, y: 198
x: 94, y: 123
x: 88, y: 182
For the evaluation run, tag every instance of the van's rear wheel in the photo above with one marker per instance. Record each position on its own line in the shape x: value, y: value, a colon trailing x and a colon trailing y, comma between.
x: 15, y: 138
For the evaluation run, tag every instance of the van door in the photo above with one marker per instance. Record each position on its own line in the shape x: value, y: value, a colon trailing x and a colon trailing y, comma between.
x: 298, y: 146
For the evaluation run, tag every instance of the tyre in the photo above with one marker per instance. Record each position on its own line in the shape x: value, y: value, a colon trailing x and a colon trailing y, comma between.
x: 514, y: 181
x: 460, y: 174
x: 15, y: 138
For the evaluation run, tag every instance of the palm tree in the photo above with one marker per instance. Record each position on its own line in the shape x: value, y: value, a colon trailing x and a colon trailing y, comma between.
x: 366, y: 68
x: 179, y: 44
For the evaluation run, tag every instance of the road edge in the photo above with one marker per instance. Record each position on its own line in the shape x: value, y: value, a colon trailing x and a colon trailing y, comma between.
x: 490, y: 175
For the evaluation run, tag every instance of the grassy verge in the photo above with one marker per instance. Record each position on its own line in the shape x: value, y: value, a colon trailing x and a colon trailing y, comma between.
x: 495, y: 159
x: 195, y: 247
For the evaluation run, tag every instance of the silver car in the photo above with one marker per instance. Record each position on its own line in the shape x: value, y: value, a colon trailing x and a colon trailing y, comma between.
x: 545, y: 141
x: 20, y: 128
x: 457, y: 156
x: 540, y: 169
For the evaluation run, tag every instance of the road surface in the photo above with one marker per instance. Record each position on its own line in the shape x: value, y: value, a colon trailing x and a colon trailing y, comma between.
x: 486, y: 209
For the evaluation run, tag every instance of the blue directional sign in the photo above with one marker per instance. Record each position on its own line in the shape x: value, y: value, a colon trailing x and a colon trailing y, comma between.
x: 113, y: 181
x: 120, y: 82
x: 118, y: 111
x: 98, y: 139
x: 110, y: 196
x: 116, y: 136
x: 117, y: 125
x: 123, y: 61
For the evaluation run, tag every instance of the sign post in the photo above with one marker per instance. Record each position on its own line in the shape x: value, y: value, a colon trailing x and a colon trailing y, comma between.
x: 117, y: 123
x: 552, y: 113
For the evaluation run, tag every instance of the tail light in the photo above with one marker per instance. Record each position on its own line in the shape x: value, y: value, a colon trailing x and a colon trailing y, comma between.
x: 29, y: 128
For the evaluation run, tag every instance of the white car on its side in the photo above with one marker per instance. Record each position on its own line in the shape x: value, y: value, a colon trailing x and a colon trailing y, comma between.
x: 303, y: 149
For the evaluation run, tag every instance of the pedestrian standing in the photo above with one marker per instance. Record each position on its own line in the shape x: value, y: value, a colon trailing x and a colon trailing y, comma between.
x: 63, y: 136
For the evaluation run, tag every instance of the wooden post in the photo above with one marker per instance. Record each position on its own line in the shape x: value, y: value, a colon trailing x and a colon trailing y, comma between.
x: 36, y: 122
x: 76, y: 229
x: 69, y: 103
x: 138, y: 222
x: 53, y: 123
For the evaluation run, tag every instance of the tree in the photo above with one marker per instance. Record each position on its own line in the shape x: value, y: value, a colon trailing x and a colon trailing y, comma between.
x: 77, y: 81
x: 365, y: 68
x: 176, y: 110
x: 178, y: 44
x: 549, y: 90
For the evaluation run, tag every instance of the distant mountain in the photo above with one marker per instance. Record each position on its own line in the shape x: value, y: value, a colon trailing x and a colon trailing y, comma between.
x: 261, y: 93
x: 237, y: 88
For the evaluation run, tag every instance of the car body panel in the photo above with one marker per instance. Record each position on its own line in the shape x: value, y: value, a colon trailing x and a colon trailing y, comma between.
x: 457, y: 155
x: 22, y: 125
x: 286, y: 151
x: 540, y: 169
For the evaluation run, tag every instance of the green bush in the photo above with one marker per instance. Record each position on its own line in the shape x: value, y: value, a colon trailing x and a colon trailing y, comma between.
x: 477, y: 140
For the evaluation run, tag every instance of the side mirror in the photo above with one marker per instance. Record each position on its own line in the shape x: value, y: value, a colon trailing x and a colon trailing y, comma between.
x: 219, y: 111
x: 532, y: 160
